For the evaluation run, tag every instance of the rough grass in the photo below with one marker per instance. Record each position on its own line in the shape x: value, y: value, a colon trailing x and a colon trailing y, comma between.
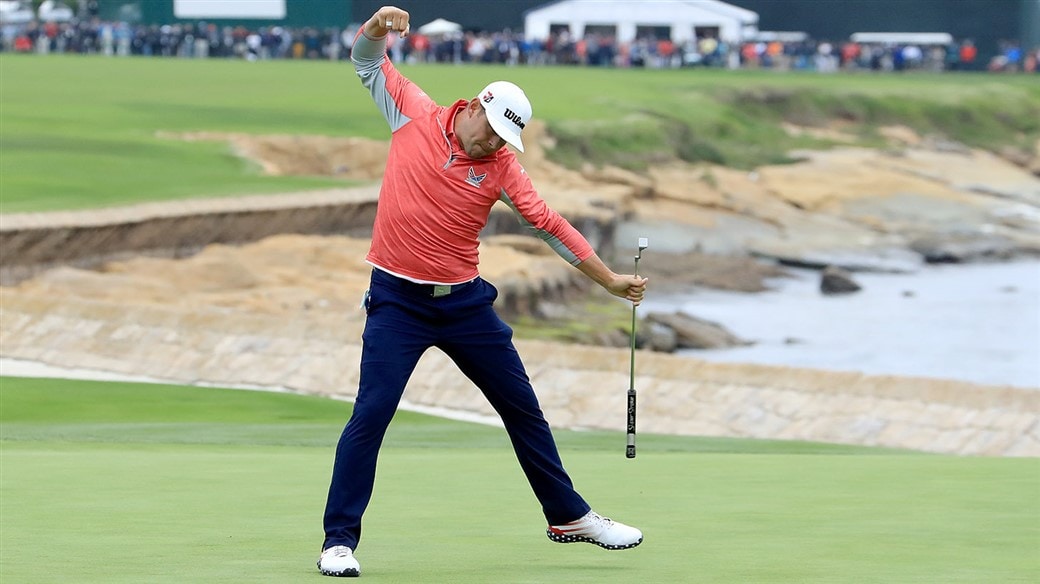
x: 82, y: 132
x: 111, y: 483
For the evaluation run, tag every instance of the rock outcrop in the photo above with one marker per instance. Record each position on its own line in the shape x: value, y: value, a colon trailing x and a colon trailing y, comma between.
x: 264, y: 290
x: 835, y: 280
x: 579, y: 386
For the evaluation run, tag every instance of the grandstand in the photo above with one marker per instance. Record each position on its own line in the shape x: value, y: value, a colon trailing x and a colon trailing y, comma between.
x: 987, y: 23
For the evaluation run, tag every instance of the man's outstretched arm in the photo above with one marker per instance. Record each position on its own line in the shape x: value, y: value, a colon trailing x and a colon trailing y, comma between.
x: 630, y: 288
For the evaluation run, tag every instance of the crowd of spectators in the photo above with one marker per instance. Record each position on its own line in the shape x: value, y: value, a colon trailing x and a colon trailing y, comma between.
x: 207, y: 40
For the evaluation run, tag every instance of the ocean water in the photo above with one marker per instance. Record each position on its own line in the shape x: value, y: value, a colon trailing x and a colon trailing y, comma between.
x: 978, y: 323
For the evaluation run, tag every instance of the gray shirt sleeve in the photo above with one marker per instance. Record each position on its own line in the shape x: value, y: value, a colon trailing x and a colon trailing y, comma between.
x: 368, y: 56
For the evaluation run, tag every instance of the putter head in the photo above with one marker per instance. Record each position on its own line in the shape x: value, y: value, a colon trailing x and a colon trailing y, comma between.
x: 643, y: 244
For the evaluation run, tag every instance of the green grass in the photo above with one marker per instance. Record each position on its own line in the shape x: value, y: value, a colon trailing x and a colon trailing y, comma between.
x: 81, y: 132
x: 111, y: 483
x: 585, y: 322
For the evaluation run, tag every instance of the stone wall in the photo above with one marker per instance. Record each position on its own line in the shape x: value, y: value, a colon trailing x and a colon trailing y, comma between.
x: 31, y: 242
x: 579, y: 386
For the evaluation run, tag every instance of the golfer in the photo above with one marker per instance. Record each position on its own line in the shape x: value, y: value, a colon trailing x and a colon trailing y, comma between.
x: 446, y: 168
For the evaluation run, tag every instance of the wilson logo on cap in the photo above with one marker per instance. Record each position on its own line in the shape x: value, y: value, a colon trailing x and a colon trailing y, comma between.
x: 508, y: 110
x: 514, y: 118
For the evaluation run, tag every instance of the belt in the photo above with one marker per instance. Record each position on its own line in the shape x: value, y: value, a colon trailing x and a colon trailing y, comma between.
x: 439, y: 290
x: 432, y: 290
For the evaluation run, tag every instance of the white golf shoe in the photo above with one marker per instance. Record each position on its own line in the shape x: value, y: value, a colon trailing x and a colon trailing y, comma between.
x: 596, y: 529
x: 339, y: 560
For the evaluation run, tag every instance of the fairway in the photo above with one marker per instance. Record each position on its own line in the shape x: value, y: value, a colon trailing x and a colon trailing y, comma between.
x: 112, y: 482
x: 113, y: 140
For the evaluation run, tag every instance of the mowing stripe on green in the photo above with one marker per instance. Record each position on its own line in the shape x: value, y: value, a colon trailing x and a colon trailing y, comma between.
x: 112, y: 483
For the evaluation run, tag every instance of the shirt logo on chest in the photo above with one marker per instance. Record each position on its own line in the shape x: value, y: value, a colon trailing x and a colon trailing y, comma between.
x: 475, y: 179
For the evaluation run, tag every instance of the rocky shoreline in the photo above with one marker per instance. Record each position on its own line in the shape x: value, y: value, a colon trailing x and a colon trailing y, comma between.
x: 578, y: 386
x: 264, y: 289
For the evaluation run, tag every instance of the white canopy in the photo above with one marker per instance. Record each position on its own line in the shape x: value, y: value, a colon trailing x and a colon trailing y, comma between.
x: 440, y: 26
x: 682, y: 17
x: 14, y: 12
x: 914, y: 38
x: 784, y: 36
x: 51, y: 11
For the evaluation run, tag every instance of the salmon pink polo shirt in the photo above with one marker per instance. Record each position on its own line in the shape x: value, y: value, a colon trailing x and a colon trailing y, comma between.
x: 435, y: 199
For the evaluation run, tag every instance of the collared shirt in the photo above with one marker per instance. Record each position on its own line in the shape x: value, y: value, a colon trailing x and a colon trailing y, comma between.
x: 435, y: 199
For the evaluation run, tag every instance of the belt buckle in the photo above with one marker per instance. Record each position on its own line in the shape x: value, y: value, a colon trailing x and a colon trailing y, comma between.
x: 441, y: 290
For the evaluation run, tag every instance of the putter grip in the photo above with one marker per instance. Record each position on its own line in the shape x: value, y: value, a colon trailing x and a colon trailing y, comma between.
x: 630, y: 449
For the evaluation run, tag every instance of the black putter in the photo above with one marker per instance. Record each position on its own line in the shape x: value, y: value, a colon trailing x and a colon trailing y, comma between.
x: 630, y: 449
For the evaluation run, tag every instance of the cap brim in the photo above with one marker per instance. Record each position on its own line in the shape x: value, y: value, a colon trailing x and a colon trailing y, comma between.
x: 503, y: 132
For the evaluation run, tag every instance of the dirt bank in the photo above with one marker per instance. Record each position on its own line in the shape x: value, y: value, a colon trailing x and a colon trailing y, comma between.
x: 263, y: 269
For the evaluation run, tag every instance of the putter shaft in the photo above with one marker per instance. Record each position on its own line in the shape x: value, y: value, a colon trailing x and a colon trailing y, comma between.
x: 630, y: 447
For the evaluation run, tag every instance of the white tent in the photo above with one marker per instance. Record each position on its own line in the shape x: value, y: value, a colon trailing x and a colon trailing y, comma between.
x: 51, y: 11
x: 14, y: 12
x: 440, y: 26
x: 784, y: 36
x: 681, y: 17
x: 914, y: 38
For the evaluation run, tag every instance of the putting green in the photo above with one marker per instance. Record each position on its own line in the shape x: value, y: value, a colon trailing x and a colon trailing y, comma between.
x: 111, y: 482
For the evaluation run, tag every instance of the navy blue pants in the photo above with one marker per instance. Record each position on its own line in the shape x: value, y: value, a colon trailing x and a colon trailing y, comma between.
x: 404, y: 320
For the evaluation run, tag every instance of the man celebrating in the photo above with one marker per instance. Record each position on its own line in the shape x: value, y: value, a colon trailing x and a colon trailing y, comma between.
x: 446, y: 168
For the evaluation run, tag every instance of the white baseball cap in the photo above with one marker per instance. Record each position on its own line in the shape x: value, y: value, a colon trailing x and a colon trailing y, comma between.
x: 507, y: 109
